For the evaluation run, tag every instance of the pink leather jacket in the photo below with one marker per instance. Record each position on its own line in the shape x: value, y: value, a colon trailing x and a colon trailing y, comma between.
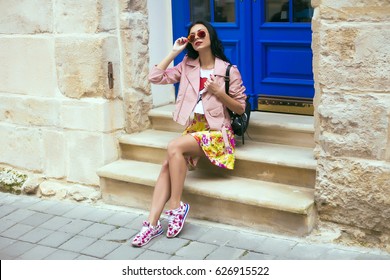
x: 187, y: 73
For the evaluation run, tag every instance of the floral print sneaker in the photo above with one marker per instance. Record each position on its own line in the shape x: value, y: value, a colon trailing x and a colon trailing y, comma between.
x: 176, y: 219
x: 147, y: 233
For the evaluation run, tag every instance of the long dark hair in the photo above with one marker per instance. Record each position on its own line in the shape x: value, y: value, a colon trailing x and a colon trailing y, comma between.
x: 217, y: 48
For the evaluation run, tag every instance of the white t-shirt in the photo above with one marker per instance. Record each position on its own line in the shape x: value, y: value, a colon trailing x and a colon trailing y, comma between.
x: 204, y: 75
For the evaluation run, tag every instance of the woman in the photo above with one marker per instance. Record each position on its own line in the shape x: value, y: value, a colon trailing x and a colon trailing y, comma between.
x: 208, y: 133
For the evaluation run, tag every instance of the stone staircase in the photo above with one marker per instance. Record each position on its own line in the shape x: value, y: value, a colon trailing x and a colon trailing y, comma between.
x: 271, y: 187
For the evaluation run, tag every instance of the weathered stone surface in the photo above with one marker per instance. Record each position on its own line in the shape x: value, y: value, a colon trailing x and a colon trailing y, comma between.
x: 93, y: 114
x: 72, y: 16
x: 107, y: 10
x: 138, y: 5
x: 88, y: 16
x: 352, y: 118
x: 354, y: 125
x: 135, y: 46
x: 26, y: 17
x: 54, y: 153
x: 88, y: 151
x: 63, y: 190
x: 354, y: 192
x: 27, y: 66
x: 49, y: 192
x: 31, y: 185
x: 133, y: 6
x: 388, y: 140
x: 29, y: 110
x: 364, y: 49
x: 81, y: 67
x: 55, y: 118
x: 137, y: 106
x: 352, y: 10
x: 21, y: 147
x: 135, y: 39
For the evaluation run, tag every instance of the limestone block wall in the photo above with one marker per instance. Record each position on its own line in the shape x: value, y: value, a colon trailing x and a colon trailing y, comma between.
x: 134, y: 33
x: 58, y: 116
x: 352, y: 83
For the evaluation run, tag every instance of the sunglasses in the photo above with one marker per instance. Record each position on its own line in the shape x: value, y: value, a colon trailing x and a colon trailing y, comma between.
x: 200, y: 33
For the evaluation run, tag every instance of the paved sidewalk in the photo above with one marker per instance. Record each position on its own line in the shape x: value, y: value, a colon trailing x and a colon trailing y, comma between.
x: 33, y: 228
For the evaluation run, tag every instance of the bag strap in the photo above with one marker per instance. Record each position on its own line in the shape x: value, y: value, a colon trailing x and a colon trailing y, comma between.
x: 227, y: 83
x: 227, y: 79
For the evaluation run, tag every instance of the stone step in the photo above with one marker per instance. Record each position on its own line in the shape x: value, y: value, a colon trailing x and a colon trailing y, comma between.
x: 255, y: 160
x: 218, y: 197
x: 267, y: 127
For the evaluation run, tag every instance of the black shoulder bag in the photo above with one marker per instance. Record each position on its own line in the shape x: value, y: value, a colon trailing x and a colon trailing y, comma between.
x: 239, y: 122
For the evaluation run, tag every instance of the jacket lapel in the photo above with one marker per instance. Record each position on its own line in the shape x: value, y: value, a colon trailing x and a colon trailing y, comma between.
x: 193, y: 74
x: 219, y: 67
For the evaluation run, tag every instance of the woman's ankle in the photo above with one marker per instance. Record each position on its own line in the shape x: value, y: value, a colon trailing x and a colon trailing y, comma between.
x: 153, y: 221
x: 174, y: 205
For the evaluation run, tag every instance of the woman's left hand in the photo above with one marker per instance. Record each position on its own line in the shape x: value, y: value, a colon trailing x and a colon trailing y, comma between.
x: 213, y: 86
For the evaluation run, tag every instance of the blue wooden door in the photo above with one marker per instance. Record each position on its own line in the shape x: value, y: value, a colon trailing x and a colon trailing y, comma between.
x: 282, y: 48
x: 274, y: 57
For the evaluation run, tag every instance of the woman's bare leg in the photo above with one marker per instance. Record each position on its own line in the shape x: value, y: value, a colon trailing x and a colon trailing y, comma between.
x: 161, y: 194
x: 166, y: 190
x: 178, y: 149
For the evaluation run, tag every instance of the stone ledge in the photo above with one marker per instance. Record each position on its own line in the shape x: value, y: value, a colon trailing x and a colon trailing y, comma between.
x: 267, y: 127
x: 270, y: 120
x: 253, y: 192
x: 252, y: 151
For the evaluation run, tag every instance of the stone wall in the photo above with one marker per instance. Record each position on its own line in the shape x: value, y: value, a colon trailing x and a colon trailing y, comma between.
x: 58, y: 117
x: 352, y: 83
x: 134, y: 32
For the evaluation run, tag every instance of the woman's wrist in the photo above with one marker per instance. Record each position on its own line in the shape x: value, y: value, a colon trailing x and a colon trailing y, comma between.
x: 174, y: 53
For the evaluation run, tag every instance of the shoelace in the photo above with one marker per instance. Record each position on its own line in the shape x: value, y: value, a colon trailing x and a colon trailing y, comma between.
x: 171, y: 218
x: 145, y: 227
x: 173, y: 215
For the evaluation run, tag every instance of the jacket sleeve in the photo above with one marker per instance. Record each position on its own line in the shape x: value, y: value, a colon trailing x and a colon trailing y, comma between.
x: 236, y: 87
x: 169, y: 76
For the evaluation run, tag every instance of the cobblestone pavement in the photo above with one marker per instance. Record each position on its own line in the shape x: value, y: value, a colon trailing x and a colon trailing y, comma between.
x: 36, y: 229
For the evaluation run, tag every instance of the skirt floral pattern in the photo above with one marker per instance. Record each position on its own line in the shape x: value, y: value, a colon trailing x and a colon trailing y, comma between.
x: 211, y: 143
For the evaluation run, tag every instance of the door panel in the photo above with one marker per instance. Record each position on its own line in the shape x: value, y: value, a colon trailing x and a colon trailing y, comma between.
x: 283, y: 61
x: 232, y: 50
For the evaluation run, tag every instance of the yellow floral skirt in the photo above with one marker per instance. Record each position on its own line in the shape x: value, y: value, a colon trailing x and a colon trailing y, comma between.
x: 211, y: 142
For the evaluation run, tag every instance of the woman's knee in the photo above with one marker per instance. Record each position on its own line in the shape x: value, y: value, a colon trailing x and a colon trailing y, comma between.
x: 165, y: 166
x: 173, y: 148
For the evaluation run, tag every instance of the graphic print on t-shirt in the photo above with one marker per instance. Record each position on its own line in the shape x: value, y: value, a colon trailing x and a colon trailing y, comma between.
x: 204, y: 75
x: 202, y: 82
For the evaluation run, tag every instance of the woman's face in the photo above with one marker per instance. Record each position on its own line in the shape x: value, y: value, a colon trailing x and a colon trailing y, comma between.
x: 200, y: 43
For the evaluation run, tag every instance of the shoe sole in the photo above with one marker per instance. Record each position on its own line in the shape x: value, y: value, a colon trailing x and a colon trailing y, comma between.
x: 158, y: 234
x: 182, y: 225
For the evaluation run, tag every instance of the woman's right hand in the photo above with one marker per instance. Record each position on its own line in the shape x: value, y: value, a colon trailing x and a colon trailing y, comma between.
x: 180, y: 44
